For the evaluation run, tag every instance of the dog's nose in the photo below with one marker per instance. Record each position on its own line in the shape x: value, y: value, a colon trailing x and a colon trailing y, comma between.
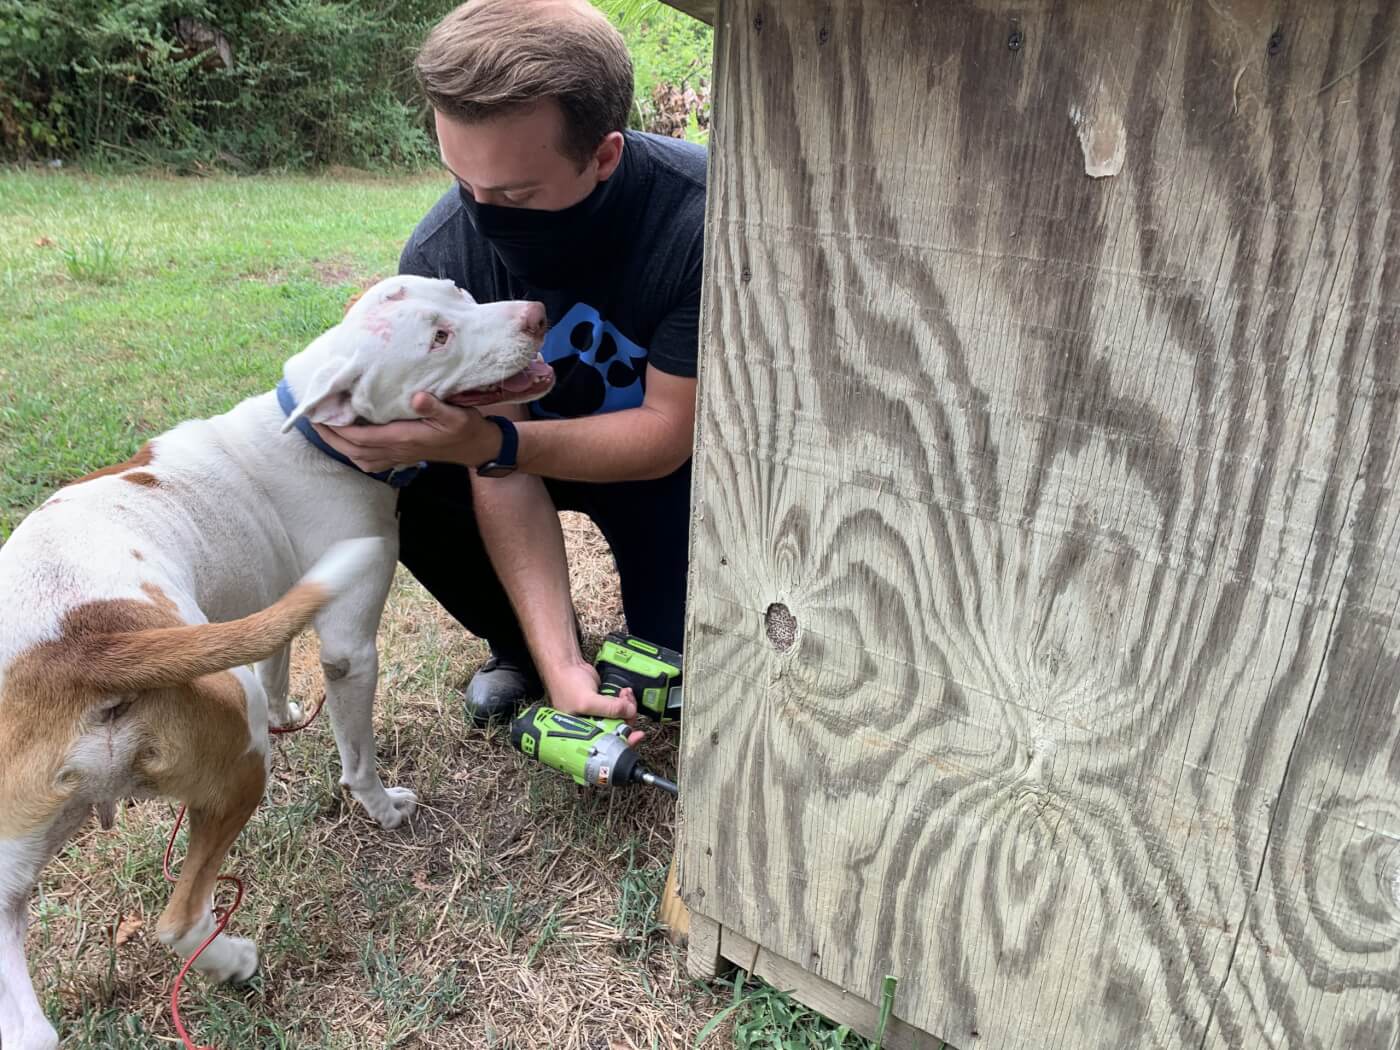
x: 532, y: 318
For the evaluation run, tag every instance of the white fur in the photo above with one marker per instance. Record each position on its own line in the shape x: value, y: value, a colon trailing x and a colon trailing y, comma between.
x: 242, y: 508
x: 346, y: 562
x: 23, y: 1025
x: 392, y: 355
x: 226, y: 959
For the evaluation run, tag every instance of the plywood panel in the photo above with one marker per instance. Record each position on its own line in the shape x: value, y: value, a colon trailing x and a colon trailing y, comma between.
x: 1044, y: 570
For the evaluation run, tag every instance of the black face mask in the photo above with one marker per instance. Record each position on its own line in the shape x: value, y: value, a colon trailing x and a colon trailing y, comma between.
x: 549, y: 249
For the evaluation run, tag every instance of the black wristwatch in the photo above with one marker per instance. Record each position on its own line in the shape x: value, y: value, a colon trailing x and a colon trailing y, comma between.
x: 504, y: 463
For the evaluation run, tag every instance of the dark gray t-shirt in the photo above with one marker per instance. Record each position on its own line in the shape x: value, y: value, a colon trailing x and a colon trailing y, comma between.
x: 636, y: 301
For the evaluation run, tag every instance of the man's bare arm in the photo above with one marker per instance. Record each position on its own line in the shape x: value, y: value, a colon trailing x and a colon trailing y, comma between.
x: 520, y: 527
x: 635, y: 444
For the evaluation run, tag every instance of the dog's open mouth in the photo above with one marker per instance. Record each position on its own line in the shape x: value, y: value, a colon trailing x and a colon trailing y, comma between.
x: 530, y: 382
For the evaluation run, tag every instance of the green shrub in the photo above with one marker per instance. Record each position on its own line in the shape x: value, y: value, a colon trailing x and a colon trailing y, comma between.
x: 291, y: 83
x: 199, y: 84
x: 671, y: 53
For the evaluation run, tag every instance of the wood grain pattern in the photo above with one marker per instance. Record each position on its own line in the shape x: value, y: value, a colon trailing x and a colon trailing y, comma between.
x: 1045, y: 565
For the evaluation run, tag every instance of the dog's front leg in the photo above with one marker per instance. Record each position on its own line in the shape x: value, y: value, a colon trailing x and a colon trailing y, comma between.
x: 275, y: 675
x: 350, y: 684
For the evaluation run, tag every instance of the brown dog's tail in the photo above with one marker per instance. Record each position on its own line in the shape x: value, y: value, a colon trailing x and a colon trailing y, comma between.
x: 164, y: 657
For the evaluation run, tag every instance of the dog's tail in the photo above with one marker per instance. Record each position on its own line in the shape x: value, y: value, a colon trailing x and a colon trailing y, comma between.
x: 165, y: 657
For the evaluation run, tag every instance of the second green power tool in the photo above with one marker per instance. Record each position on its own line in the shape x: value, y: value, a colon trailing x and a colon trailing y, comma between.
x: 594, y: 751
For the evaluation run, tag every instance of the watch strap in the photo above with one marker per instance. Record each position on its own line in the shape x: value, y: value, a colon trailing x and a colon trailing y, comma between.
x: 504, y: 460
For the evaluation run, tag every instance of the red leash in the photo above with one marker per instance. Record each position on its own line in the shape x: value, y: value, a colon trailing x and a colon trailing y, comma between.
x: 223, y: 916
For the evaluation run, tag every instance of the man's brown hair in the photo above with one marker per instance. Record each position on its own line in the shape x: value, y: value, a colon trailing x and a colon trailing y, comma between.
x: 489, y: 58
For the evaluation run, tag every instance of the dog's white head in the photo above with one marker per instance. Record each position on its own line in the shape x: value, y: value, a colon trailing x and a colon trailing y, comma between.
x: 407, y: 334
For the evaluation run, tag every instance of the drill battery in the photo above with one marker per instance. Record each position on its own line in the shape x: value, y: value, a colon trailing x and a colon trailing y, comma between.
x: 653, y: 673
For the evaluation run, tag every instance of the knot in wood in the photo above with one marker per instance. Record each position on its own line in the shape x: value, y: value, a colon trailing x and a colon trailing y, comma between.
x: 781, y: 626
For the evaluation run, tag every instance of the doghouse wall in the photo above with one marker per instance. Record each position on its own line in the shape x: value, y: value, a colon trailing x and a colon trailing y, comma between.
x: 1044, y: 569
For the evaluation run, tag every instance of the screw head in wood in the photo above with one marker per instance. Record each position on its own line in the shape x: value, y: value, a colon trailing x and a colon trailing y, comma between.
x: 1015, y: 40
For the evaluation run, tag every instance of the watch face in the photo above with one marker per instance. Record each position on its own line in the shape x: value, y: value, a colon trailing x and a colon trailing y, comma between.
x: 495, y: 470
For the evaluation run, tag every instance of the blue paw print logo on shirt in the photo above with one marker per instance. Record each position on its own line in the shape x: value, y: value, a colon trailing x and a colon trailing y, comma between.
x: 596, y: 367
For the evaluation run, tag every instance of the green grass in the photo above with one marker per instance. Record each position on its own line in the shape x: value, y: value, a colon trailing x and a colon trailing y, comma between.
x: 763, y: 1018
x: 132, y: 303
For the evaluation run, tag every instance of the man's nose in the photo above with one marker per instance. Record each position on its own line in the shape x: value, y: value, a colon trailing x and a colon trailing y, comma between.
x: 532, y: 318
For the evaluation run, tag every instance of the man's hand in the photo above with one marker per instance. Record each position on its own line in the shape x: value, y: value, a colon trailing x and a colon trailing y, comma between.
x: 574, y: 690
x: 445, y: 434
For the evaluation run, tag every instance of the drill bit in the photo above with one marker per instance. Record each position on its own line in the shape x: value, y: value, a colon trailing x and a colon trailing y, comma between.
x: 652, y: 780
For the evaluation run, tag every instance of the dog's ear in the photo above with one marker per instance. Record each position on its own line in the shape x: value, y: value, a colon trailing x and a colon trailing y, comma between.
x: 327, y: 398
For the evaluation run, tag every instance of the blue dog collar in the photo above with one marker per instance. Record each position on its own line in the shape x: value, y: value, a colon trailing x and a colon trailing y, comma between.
x: 396, y: 478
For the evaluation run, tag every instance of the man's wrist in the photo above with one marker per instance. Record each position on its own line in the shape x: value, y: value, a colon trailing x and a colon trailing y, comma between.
x: 556, y: 671
x: 482, y: 445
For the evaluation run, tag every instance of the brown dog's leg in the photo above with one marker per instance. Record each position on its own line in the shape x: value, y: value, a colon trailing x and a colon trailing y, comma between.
x: 188, y: 919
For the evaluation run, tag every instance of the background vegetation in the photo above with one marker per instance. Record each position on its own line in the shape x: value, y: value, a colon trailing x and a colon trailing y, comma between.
x: 200, y: 85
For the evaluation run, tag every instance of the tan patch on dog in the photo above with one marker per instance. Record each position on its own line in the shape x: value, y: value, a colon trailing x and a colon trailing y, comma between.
x: 160, y: 599
x: 141, y: 477
x: 143, y: 458
x: 189, y: 709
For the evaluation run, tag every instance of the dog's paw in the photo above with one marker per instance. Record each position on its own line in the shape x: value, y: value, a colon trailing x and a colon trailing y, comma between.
x: 288, y: 714
x: 391, y: 806
x: 229, y: 959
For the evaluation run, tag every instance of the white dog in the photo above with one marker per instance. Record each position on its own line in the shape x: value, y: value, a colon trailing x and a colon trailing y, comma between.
x: 134, y: 599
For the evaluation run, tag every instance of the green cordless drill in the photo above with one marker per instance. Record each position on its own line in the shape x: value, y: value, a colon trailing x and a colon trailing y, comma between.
x: 595, y: 751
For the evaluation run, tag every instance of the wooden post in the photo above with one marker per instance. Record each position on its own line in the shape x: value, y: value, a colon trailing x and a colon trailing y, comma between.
x: 1046, y: 560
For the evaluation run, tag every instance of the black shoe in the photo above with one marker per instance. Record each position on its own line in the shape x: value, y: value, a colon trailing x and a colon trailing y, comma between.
x: 500, y: 688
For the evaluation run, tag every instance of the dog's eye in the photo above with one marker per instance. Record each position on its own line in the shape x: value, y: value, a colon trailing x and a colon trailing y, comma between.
x: 440, y: 338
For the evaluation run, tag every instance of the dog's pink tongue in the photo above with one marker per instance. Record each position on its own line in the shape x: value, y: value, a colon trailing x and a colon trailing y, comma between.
x: 538, y: 369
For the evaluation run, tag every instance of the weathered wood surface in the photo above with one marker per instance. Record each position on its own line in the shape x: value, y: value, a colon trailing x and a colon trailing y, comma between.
x: 1079, y: 494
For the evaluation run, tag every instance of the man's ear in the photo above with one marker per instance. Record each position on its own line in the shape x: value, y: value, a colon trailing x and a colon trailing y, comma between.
x: 327, y: 397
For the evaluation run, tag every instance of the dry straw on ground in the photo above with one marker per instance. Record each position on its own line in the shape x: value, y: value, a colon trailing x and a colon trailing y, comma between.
x: 516, y: 911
